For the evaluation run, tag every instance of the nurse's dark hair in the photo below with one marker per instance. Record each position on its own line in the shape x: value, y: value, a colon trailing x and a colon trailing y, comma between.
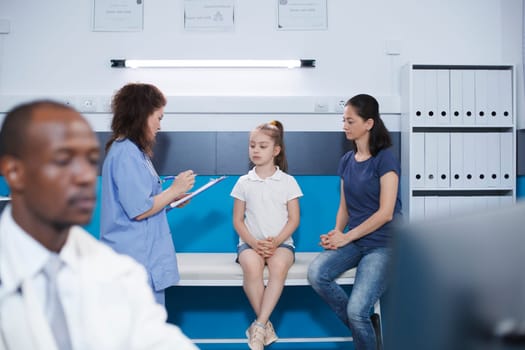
x: 275, y: 130
x: 131, y: 106
x: 13, y: 136
x: 367, y: 107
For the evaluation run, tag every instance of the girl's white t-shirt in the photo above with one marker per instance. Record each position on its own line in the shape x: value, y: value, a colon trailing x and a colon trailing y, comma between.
x: 266, y: 202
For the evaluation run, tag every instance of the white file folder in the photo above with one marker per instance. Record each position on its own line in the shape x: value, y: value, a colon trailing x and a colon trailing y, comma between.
x: 505, y: 90
x: 493, y: 98
x: 481, y: 96
x: 456, y: 97
x: 417, y: 179
x: 443, y: 160
x: 457, y: 206
x: 493, y: 202
x: 443, y: 97
x: 431, y: 207
x: 505, y: 201
x: 443, y: 206
x: 457, y: 178
x: 480, y: 203
x: 480, y: 155
x: 469, y: 96
x: 417, y: 209
x: 431, y: 159
x: 469, y: 162
x: 493, y: 159
x: 431, y: 93
x: 418, y: 91
x: 507, y: 177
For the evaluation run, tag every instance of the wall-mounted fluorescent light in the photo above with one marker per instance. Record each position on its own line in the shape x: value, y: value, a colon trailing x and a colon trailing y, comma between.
x: 123, y: 63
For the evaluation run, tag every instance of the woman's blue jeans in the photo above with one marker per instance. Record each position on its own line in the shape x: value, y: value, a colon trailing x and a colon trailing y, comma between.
x: 370, y: 283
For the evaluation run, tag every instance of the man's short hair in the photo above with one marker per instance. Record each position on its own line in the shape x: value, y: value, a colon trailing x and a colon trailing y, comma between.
x: 14, y: 128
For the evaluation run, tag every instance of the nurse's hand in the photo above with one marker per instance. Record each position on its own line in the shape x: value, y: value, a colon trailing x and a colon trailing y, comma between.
x: 183, y: 204
x: 183, y: 182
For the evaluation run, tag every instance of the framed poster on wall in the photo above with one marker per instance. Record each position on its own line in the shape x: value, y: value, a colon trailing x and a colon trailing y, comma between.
x: 118, y: 15
x: 209, y: 15
x: 302, y: 15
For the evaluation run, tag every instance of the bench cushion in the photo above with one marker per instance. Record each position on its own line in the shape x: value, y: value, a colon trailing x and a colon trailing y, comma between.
x: 220, y: 269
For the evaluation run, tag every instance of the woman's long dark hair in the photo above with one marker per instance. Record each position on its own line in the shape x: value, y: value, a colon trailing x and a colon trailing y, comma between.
x: 132, y: 105
x: 367, y: 107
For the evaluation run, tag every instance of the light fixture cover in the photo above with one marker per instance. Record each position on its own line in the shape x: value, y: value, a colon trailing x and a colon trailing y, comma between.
x: 297, y: 63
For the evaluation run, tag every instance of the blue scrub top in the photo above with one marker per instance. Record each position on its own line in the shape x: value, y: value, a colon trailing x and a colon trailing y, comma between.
x: 129, y: 183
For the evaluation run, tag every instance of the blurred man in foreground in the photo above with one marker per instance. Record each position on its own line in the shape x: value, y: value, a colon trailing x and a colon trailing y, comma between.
x: 59, y: 287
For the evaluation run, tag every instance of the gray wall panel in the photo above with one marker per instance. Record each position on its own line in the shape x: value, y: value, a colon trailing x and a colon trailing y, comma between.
x: 226, y: 153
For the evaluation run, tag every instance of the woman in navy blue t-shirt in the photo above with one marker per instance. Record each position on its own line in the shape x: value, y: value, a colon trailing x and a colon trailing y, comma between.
x: 368, y: 207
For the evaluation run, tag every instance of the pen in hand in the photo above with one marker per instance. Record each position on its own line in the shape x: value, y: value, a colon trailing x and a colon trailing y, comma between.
x: 171, y: 177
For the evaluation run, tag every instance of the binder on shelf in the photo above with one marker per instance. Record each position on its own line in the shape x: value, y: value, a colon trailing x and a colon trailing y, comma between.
x: 481, y: 91
x: 505, y: 201
x: 417, y: 209
x: 457, y: 178
x: 458, y: 205
x: 443, y: 206
x: 493, y: 98
x: 417, y: 165
x: 418, y: 90
x: 431, y: 207
x: 505, y: 94
x: 469, y: 162
x: 443, y: 97
x: 480, y: 155
x: 507, y: 177
x: 430, y: 97
x: 456, y: 97
x: 493, y: 202
x: 443, y: 159
x: 468, y: 79
x: 480, y: 203
x: 493, y: 159
x: 431, y: 159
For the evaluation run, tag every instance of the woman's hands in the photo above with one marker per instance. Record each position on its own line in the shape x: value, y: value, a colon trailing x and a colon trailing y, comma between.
x: 334, y: 239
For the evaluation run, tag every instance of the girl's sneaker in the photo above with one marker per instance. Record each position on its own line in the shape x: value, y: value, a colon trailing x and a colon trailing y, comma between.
x: 255, y: 335
x: 269, y: 335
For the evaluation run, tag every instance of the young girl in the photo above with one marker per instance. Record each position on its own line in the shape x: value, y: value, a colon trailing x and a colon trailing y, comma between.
x: 265, y: 214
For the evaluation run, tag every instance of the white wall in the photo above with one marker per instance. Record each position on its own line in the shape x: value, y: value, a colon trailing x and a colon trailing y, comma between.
x: 51, y: 49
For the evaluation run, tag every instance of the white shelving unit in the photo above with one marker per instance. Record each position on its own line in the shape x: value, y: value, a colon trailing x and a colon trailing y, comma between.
x: 458, y: 139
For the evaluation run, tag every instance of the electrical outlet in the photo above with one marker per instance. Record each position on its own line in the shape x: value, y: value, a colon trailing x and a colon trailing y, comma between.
x: 340, y: 106
x: 88, y: 104
x: 321, y: 107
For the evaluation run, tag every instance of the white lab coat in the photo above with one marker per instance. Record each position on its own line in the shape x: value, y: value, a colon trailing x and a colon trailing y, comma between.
x: 110, y: 303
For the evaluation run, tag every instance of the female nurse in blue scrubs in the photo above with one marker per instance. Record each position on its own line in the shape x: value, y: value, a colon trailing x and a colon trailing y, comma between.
x: 133, y: 214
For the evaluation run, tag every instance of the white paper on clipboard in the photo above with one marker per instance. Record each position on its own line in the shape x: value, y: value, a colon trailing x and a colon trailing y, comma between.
x: 197, y: 191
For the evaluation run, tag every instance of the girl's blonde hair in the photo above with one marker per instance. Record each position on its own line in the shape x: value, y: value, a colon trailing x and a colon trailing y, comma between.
x: 274, y: 129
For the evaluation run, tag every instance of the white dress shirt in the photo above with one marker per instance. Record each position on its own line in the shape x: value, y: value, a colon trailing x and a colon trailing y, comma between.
x: 107, y: 301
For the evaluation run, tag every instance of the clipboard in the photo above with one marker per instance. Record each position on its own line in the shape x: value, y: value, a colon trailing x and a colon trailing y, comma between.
x: 201, y: 189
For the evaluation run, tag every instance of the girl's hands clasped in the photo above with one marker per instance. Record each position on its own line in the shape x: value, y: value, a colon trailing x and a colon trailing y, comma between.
x: 266, y: 247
